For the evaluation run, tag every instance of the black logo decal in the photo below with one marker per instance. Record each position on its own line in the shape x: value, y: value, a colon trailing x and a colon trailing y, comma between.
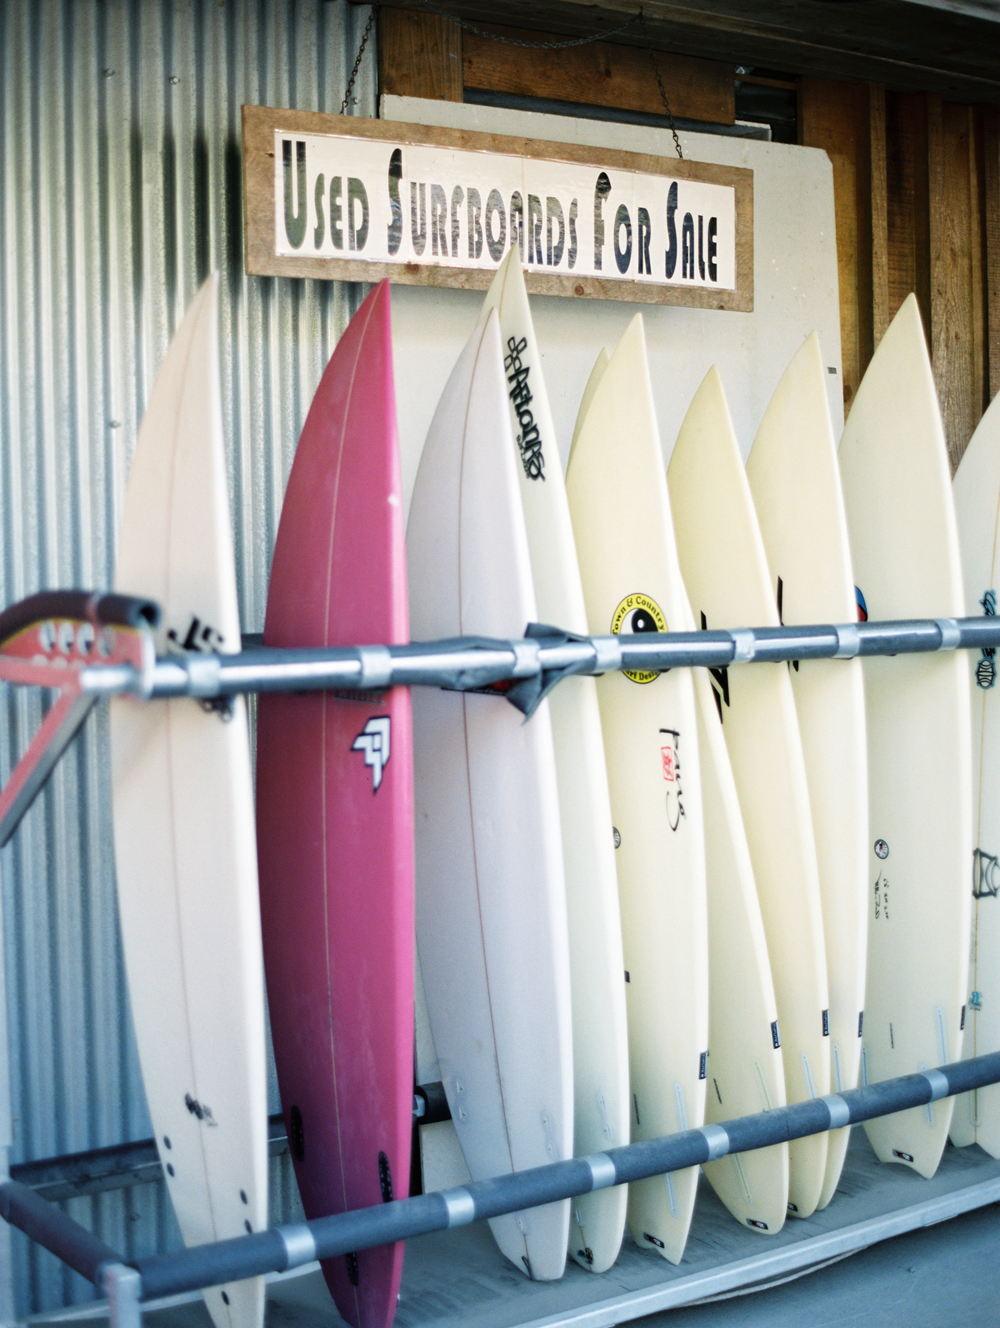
x: 529, y: 440
x: 703, y: 1065
x: 586, y: 1255
x: 198, y: 637
x: 385, y: 1178
x: 670, y: 757
x: 755, y: 1222
x: 774, y: 1035
x: 986, y: 672
x: 826, y: 1023
x: 653, y: 1240
x: 904, y: 1157
x: 199, y: 1110
x: 985, y: 875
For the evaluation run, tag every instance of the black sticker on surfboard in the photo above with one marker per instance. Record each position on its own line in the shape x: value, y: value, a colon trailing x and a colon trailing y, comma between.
x: 529, y: 441
x: 985, y: 875
x: 634, y: 615
x: 756, y: 1222
x: 986, y: 672
x: 671, y: 763
x: 903, y: 1157
x: 373, y: 741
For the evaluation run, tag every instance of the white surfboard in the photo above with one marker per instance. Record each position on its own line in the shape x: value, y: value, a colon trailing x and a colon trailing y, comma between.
x: 600, y: 1038
x: 631, y: 581
x: 977, y: 507
x: 904, y: 546
x: 795, y: 483
x: 491, y: 901
x: 728, y: 584
x: 185, y: 848
x: 745, y: 1071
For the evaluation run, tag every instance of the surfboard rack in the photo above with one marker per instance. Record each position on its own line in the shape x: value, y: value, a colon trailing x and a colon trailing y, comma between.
x: 129, y: 1284
x: 84, y: 646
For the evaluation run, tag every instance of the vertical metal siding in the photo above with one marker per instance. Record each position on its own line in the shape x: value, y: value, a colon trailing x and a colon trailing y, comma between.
x: 120, y: 189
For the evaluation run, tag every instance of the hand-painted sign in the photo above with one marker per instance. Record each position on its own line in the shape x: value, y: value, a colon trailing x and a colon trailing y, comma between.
x: 351, y: 199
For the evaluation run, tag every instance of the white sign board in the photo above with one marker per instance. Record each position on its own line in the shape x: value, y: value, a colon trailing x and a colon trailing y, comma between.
x: 405, y: 202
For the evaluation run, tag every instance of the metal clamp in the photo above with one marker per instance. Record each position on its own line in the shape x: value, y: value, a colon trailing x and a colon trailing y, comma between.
x: 848, y: 641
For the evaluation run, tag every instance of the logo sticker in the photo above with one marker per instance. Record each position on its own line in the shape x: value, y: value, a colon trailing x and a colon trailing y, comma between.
x: 667, y: 756
x: 986, y: 673
x: 881, y: 848
x: 638, y: 613
x: 862, y: 606
x: 373, y: 740
x: 985, y: 875
x: 529, y: 441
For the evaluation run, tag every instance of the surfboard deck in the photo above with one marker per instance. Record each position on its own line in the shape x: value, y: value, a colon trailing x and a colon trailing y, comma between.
x: 491, y: 899
x: 600, y: 1038
x: 976, y: 487
x: 745, y: 1071
x: 183, y: 826
x: 335, y: 818
x: 795, y: 484
x: 631, y: 581
x: 904, y: 546
x: 725, y: 571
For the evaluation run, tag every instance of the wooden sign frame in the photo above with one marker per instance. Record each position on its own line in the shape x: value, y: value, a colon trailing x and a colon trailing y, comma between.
x: 260, y: 124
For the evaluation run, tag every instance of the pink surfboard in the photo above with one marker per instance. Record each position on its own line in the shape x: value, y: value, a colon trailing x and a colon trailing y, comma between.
x: 335, y: 818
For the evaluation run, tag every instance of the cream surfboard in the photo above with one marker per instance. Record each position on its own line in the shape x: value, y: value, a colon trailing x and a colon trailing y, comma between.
x: 795, y: 483
x: 745, y: 1072
x: 631, y: 582
x: 728, y: 584
x: 596, y: 374
x: 184, y: 828
x: 491, y: 901
x: 904, y: 546
x: 600, y: 1040
x: 977, y: 508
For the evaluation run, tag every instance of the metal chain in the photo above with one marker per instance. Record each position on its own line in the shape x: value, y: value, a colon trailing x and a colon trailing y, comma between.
x: 659, y: 80
x: 357, y: 63
x: 531, y: 45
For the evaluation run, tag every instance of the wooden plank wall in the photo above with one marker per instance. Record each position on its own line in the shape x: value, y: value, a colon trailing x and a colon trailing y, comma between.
x: 916, y: 181
x: 917, y: 185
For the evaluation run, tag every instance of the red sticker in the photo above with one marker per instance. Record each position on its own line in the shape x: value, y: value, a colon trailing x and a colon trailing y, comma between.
x: 668, y: 763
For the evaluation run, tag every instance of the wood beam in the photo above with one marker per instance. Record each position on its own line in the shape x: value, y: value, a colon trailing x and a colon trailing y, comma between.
x: 599, y: 74
x: 419, y: 55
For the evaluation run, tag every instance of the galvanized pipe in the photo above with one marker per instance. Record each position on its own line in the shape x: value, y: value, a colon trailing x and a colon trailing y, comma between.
x: 287, y: 1247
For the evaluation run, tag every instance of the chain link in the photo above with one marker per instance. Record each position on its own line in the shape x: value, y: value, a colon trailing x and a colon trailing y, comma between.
x: 532, y: 45
x: 659, y: 80
x: 357, y: 63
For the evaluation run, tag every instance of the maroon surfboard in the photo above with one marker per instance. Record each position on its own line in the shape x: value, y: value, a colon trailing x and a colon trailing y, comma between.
x: 335, y: 818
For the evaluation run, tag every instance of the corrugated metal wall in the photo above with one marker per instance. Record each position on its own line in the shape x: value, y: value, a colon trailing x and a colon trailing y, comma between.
x: 120, y: 189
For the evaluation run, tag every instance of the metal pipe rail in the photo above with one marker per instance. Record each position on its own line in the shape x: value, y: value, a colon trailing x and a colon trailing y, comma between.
x: 525, y: 669
x: 286, y: 1247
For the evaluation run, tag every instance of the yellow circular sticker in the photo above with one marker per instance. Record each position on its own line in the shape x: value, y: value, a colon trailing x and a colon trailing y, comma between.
x: 638, y: 613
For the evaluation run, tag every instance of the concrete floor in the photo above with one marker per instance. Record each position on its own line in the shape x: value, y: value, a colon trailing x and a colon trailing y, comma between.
x: 942, y: 1277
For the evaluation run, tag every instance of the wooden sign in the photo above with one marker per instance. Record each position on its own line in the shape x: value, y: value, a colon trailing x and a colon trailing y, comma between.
x: 348, y: 199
